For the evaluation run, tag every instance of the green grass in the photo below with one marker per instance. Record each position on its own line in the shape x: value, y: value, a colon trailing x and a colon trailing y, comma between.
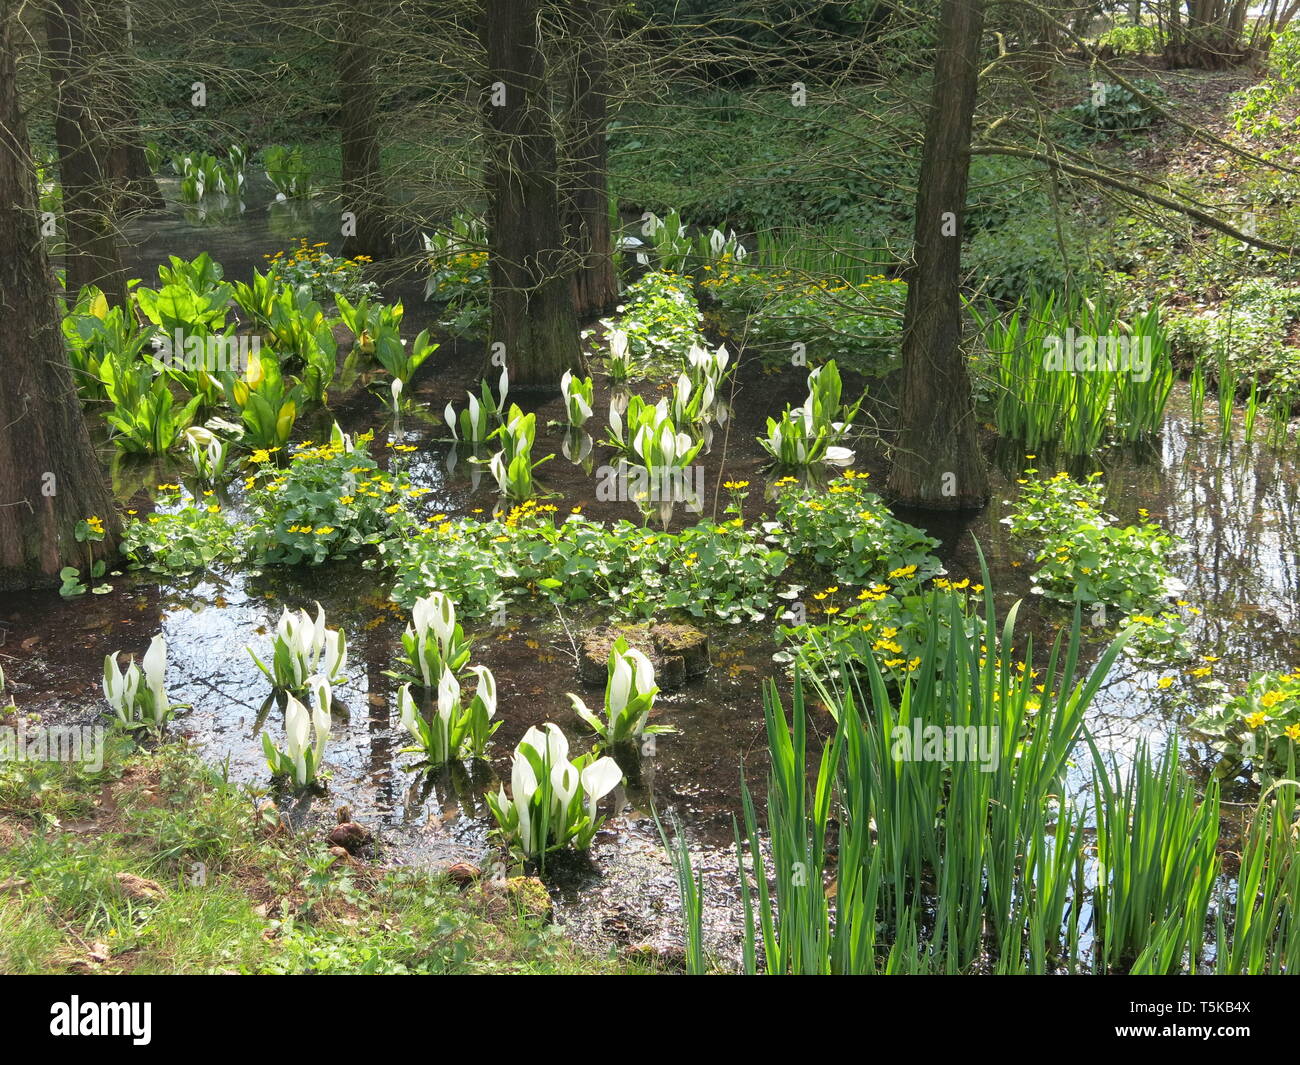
x: 753, y: 162
x: 270, y: 902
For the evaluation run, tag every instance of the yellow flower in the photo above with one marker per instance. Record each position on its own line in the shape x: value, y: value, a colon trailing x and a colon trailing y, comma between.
x: 1256, y: 719
x: 904, y: 571
x: 1165, y: 682
x: 1293, y: 732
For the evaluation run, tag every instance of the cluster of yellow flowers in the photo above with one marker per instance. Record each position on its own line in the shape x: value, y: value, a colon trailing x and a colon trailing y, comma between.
x: 957, y: 586
x: 311, y: 255
x: 469, y: 259
x: 527, y: 509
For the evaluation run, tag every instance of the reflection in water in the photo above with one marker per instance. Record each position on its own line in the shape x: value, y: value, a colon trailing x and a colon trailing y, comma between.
x: 577, y: 447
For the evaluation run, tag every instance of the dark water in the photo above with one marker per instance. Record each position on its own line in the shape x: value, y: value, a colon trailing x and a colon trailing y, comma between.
x: 1232, y: 514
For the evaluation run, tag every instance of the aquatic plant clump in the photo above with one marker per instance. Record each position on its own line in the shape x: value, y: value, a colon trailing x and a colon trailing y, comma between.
x: 453, y: 729
x: 956, y: 768
x: 553, y: 802
x: 849, y: 532
x: 719, y: 570
x: 1071, y: 373
x: 1258, y: 729
x: 629, y: 698
x: 659, y: 324
x: 306, y: 733
x: 137, y: 694
x: 332, y: 500
x: 1085, y: 556
x: 810, y: 434
x: 303, y: 650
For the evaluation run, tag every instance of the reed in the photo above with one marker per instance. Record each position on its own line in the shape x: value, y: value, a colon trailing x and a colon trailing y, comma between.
x: 837, y: 253
x: 1071, y: 372
x: 1252, y: 411
x: 1264, y: 935
x: 1227, y: 394
x: 1196, y: 388
x: 888, y: 858
x: 945, y: 857
x: 1156, y: 864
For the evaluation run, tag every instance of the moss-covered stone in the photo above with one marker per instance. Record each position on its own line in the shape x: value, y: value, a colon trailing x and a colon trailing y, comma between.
x: 686, y: 641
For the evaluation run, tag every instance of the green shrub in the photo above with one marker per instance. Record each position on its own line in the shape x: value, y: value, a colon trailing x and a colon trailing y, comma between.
x: 1133, y: 40
x: 1111, y: 110
x: 1005, y: 262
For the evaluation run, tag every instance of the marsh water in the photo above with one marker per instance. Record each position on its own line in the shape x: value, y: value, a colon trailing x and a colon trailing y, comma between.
x: 1232, y: 512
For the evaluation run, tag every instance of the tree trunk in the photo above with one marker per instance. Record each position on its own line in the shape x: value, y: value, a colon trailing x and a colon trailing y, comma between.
x: 532, y: 295
x: 135, y: 186
x: 88, y: 217
x: 363, y: 185
x: 50, y: 477
x: 937, y: 462
x: 1211, y: 37
x: 595, y: 282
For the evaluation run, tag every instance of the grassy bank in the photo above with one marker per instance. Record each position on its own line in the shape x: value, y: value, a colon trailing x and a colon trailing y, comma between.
x: 156, y: 864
